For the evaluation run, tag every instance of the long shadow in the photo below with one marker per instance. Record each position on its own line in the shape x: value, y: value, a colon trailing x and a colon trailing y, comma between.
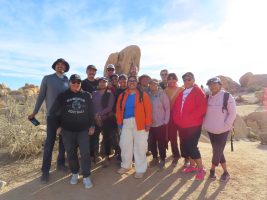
x: 203, y: 193
x: 216, y: 192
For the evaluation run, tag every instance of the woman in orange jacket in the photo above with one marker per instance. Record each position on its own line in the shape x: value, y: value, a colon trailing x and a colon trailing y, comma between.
x: 134, y: 118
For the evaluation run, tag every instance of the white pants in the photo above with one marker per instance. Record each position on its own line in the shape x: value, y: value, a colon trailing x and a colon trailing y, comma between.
x: 133, y: 142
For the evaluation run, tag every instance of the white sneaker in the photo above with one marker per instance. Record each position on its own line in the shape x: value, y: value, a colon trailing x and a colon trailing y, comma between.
x: 87, y: 183
x: 74, y: 179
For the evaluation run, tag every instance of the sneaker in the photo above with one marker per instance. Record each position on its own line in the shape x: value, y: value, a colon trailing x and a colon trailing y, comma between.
x: 87, y: 183
x: 139, y: 175
x: 175, y: 161
x: 186, y: 162
x: 212, y: 175
x: 45, y: 177
x: 162, y: 164
x: 62, y: 168
x: 225, y: 176
x: 200, y: 174
x: 190, y: 169
x: 74, y: 179
x: 154, y: 162
x: 122, y: 170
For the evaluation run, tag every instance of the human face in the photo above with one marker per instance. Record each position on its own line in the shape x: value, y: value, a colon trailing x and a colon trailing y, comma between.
x: 114, y: 81
x: 172, y: 82
x: 60, y: 68
x: 153, y: 87
x: 164, y: 75
x: 144, y: 81
x: 75, y: 86
x: 214, y: 88
x: 91, y: 73
x: 188, y: 81
x: 110, y: 71
x: 132, y: 83
x: 133, y: 70
x: 123, y: 83
x: 102, y: 85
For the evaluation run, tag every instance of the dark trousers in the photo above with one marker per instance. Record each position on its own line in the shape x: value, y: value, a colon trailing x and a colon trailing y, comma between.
x: 172, y: 136
x: 218, y: 142
x: 94, y: 142
x: 189, y: 140
x: 73, y: 140
x: 110, y: 135
x: 52, y: 125
x: 158, y: 141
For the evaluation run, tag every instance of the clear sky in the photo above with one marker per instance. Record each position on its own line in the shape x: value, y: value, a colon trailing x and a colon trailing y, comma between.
x: 207, y: 37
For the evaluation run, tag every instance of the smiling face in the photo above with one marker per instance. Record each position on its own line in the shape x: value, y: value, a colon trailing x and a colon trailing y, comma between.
x: 91, y: 73
x: 60, y: 68
x: 123, y: 83
x: 172, y: 82
x: 102, y: 84
x: 188, y: 81
x: 132, y: 83
x: 214, y: 88
x: 75, y: 85
x: 153, y: 87
x: 110, y: 71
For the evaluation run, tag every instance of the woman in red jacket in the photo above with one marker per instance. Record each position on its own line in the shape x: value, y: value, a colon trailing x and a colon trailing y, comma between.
x: 188, y: 113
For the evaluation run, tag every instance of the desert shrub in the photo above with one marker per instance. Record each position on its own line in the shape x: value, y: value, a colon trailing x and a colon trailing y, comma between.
x: 17, y: 134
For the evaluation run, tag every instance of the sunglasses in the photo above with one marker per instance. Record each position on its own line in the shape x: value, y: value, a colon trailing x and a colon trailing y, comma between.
x: 187, y: 79
x: 77, y: 82
x: 132, y: 81
x: 110, y: 70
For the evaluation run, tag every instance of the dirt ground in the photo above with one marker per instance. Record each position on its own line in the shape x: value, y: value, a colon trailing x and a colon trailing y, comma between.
x: 247, y: 167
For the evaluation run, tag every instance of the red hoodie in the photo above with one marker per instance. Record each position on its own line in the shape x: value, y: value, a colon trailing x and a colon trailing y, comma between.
x: 193, y: 111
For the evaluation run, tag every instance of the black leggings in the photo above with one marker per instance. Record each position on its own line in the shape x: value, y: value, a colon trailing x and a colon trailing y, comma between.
x: 218, y: 142
x: 189, y: 140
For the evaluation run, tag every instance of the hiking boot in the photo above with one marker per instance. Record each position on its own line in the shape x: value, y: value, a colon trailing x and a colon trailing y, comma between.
x: 175, y: 161
x: 190, y: 169
x: 45, y: 177
x: 62, y: 168
x: 74, y: 179
x: 87, y: 183
x: 162, y: 164
x: 138, y: 175
x: 212, y: 175
x: 123, y: 170
x: 200, y: 174
x: 225, y: 176
x: 154, y: 162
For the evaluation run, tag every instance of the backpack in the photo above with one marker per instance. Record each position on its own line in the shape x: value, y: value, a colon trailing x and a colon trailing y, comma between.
x: 225, y: 100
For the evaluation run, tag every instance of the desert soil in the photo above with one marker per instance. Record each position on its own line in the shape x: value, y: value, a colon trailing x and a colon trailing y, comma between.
x: 247, y: 167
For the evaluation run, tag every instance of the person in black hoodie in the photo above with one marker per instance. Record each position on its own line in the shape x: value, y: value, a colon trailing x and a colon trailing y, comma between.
x: 76, y: 119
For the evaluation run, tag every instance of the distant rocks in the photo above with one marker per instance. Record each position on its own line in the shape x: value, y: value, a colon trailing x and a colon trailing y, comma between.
x: 4, y: 90
x: 124, y: 59
x: 253, y: 82
x: 229, y: 85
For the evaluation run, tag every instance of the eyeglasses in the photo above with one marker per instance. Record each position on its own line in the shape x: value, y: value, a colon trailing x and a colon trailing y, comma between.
x: 132, y: 81
x: 187, y: 79
x: 110, y: 70
x: 77, y: 82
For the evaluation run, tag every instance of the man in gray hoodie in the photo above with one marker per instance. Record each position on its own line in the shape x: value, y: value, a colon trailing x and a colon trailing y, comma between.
x: 52, y: 85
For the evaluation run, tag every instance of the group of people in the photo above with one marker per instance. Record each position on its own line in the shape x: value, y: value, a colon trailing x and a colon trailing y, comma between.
x: 135, y: 115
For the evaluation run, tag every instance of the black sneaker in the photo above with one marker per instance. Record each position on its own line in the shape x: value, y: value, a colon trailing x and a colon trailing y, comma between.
x: 45, y: 177
x: 62, y: 168
x: 225, y: 176
x: 162, y: 164
x: 175, y: 161
x: 154, y: 162
x: 212, y: 175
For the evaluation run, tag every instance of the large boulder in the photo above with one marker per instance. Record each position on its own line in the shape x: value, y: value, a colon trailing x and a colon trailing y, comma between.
x: 124, y: 59
x: 257, y: 82
x: 257, y: 121
x: 29, y: 90
x: 4, y: 90
x: 240, y: 127
x: 245, y: 78
x: 263, y: 137
x: 229, y: 85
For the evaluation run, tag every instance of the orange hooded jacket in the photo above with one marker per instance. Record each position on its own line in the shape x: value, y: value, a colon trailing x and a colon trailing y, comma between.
x: 142, y: 110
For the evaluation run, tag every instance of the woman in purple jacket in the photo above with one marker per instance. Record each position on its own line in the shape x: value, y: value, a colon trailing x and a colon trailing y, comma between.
x: 218, y: 122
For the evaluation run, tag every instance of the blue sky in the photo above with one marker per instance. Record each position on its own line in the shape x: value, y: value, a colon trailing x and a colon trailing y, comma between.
x: 207, y: 37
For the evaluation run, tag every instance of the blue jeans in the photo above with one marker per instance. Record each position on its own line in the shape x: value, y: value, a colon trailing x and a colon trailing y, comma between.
x: 52, y: 125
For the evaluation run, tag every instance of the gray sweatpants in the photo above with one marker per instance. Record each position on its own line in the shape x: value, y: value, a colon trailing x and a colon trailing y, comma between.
x: 73, y: 140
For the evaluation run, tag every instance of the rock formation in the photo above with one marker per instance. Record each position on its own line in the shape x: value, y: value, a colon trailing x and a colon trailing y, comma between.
x: 229, y: 85
x: 124, y: 59
x: 253, y: 81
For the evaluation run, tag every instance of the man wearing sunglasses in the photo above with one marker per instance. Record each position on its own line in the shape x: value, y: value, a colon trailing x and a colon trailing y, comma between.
x: 76, y: 122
